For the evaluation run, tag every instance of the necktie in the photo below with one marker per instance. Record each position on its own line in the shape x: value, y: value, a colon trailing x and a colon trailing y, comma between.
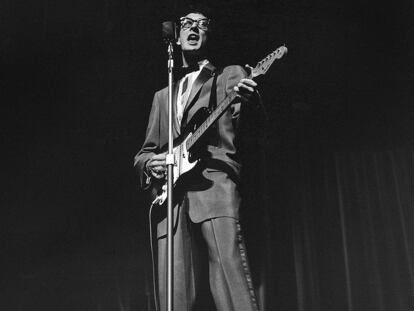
x: 183, y: 100
x: 185, y: 85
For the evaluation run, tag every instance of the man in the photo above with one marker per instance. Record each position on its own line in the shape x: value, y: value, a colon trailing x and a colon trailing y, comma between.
x: 207, y: 201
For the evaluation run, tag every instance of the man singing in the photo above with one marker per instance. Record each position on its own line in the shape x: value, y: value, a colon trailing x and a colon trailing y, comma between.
x: 207, y: 233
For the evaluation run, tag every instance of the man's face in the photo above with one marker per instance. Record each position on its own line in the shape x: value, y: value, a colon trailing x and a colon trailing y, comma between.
x: 192, y: 38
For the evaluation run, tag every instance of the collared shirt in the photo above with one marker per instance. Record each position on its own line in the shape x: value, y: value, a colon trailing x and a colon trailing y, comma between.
x: 184, y: 89
x: 181, y: 101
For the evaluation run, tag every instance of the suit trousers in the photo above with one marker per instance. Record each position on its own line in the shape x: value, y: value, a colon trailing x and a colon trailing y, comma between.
x: 211, y: 252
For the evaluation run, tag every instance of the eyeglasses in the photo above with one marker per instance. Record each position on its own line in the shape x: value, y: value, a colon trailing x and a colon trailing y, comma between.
x: 187, y: 22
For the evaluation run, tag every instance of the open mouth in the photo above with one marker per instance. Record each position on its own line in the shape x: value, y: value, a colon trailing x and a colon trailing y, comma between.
x: 193, y: 38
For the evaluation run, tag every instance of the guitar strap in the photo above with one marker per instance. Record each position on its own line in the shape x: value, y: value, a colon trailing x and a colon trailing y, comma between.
x: 213, y: 132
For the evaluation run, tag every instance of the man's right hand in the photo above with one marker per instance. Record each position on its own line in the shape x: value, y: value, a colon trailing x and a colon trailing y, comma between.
x: 157, y: 165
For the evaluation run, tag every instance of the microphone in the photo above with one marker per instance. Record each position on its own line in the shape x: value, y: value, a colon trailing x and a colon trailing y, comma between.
x: 169, y: 32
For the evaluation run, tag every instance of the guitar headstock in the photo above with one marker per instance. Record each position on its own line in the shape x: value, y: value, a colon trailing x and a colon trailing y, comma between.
x: 262, y: 66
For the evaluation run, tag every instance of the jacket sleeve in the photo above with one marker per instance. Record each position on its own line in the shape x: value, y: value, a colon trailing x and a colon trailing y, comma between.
x: 151, y: 144
x: 234, y: 75
x: 254, y: 105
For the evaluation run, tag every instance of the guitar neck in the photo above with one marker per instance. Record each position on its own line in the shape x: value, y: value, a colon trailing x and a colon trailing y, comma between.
x: 260, y: 69
x: 221, y: 108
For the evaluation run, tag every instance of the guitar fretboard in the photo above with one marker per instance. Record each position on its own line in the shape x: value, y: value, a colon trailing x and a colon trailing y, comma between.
x: 211, y: 119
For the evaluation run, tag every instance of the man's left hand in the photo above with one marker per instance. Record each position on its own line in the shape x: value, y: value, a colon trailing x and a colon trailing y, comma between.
x: 246, y: 88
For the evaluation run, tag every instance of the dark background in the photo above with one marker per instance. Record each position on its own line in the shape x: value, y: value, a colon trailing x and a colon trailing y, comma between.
x: 77, y: 80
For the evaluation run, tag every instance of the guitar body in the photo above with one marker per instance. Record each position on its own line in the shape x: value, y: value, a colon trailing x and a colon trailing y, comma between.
x: 184, y: 159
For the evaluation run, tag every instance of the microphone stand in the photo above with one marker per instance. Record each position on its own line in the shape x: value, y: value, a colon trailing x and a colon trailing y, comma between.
x: 170, y: 182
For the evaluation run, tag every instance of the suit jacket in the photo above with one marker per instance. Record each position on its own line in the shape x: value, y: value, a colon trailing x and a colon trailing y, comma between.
x: 211, y: 190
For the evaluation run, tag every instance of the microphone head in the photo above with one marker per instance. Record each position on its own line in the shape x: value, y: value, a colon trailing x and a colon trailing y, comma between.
x: 169, y: 32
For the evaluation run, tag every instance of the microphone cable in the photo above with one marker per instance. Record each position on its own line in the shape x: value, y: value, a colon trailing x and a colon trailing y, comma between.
x: 154, y: 280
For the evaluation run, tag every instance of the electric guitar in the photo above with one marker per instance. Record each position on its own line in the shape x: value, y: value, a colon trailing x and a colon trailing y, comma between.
x: 184, y: 159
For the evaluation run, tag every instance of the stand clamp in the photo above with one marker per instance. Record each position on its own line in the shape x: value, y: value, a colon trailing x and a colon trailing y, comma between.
x: 170, y: 159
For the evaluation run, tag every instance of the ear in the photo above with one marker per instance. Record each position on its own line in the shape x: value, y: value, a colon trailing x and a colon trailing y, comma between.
x: 177, y: 34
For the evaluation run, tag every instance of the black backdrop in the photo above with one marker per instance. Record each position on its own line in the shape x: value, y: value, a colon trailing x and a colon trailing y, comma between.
x: 77, y: 79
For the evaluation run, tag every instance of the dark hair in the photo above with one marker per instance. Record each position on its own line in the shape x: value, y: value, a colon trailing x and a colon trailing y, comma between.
x: 201, y: 8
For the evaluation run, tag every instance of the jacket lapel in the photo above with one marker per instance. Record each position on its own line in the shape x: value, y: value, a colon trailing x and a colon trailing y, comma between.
x: 205, y: 74
x: 174, y: 107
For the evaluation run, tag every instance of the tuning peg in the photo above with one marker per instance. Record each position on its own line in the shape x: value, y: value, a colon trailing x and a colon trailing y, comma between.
x: 248, y: 68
